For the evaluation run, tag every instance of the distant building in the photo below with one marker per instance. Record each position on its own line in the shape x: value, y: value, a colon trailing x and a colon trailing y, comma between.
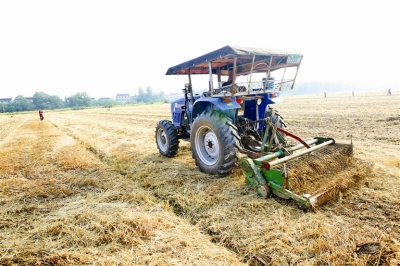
x: 29, y: 99
x: 104, y: 98
x: 122, y: 98
x: 5, y: 100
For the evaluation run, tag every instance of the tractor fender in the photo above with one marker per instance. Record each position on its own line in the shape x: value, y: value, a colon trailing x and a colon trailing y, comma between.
x: 208, y: 103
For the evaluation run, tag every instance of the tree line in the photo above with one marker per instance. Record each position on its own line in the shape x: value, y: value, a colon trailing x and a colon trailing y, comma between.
x: 77, y: 101
x: 148, y: 96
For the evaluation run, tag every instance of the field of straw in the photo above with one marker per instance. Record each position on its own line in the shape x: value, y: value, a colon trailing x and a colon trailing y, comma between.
x: 90, y: 188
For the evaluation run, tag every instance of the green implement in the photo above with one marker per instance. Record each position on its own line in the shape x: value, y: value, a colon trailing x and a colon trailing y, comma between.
x: 311, y: 173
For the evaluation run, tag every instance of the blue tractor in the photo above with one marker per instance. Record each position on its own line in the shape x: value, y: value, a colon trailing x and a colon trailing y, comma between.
x: 234, y: 117
x: 230, y: 116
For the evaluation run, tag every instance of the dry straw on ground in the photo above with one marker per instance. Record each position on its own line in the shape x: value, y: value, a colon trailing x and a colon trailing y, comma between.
x: 325, y: 173
x: 89, y: 188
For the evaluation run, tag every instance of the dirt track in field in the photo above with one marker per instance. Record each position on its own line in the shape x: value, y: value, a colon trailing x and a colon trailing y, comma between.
x: 89, y: 187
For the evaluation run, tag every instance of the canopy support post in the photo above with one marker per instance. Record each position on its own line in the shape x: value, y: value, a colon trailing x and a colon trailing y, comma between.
x: 211, y: 85
x: 234, y: 76
x: 284, y: 71
x: 219, y: 76
x: 297, y: 70
x: 268, y: 73
x: 190, y: 87
x: 251, y: 73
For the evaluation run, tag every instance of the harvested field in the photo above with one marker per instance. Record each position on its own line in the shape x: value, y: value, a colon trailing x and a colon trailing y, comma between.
x: 89, y: 187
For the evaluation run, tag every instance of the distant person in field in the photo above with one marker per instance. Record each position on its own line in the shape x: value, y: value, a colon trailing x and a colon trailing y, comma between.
x: 389, y: 92
x: 41, y: 114
x: 352, y: 94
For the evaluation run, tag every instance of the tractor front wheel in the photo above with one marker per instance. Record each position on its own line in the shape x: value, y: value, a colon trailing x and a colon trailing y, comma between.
x: 214, y: 142
x: 167, y: 138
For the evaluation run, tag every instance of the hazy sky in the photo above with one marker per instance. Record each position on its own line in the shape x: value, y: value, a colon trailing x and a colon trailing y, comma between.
x: 109, y: 47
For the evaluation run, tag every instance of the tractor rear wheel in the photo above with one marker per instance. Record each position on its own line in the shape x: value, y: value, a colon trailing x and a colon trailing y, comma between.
x: 167, y: 138
x: 214, y: 142
x: 276, y: 117
x: 274, y: 114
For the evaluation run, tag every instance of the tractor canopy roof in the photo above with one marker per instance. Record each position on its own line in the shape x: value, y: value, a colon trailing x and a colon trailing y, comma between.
x: 249, y: 60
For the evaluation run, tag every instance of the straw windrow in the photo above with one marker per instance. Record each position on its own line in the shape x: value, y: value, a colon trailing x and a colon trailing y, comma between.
x: 328, y: 169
